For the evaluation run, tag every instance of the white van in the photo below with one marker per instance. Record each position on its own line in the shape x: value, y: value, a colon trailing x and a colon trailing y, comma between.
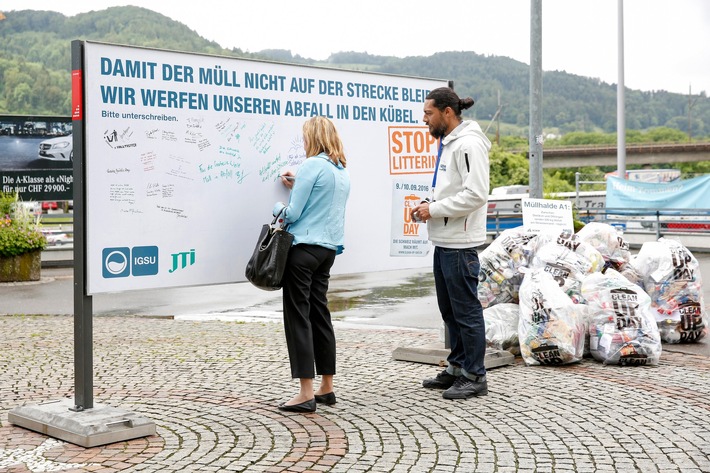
x: 508, y: 190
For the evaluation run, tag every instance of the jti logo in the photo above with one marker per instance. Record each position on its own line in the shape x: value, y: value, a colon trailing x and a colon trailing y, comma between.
x: 180, y: 260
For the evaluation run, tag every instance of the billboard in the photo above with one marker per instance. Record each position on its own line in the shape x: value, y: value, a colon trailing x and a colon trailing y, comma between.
x: 183, y: 154
x: 36, y: 157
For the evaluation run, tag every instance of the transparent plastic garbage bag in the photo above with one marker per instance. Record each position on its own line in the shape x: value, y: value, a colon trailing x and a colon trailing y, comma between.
x: 622, y: 325
x: 551, y: 327
x: 670, y: 274
x: 502, y: 327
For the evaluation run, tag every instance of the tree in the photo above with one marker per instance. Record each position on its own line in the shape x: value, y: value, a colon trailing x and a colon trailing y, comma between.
x: 507, y: 168
x: 666, y: 135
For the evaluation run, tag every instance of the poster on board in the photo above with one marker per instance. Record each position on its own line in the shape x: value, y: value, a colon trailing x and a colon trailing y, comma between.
x: 183, y: 154
x: 36, y: 157
x: 409, y: 237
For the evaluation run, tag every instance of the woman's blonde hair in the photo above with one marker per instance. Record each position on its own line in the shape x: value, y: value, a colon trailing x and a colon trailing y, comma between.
x: 320, y: 136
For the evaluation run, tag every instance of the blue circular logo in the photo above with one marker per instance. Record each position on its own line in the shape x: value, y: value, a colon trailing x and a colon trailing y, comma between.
x: 116, y: 262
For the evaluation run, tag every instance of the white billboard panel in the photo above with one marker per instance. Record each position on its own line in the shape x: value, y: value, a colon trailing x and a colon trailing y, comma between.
x: 183, y: 154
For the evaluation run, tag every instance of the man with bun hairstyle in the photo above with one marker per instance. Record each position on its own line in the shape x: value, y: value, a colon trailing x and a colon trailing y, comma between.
x: 455, y: 214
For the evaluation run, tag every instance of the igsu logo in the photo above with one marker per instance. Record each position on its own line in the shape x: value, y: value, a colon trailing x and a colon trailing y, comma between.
x: 121, y: 262
x: 116, y: 262
x: 144, y: 260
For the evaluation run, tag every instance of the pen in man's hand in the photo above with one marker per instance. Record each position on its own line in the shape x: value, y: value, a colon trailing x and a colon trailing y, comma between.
x: 289, y: 178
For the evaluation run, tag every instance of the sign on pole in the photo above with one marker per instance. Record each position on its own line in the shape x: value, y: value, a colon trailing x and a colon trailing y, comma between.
x: 547, y: 215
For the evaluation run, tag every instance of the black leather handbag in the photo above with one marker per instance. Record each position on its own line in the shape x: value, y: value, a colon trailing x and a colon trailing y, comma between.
x: 266, y: 266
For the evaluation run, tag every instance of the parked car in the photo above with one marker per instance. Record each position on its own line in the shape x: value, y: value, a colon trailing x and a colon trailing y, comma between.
x: 32, y: 207
x: 57, y: 149
x: 59, y: 239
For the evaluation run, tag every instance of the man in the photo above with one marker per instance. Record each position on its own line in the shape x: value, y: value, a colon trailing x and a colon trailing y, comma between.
x: 456, y: 222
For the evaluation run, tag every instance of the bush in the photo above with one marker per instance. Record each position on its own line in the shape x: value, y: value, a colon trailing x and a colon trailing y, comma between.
x: 19, y: 229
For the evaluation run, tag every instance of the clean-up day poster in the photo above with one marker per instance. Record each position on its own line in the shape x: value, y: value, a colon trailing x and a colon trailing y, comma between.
x: 409, y: 238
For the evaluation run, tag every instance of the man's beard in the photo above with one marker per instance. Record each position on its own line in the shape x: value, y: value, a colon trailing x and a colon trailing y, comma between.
x: 438, y: 132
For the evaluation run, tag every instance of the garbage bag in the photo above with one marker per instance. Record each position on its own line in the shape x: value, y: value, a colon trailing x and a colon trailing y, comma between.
x: 567, y: 259
x: 670, y: 274
x: 608, y: 241
x: 622, y: 327
x: 499, y: 279
x: 551, y: 327
x: 630, y: 272
x: 502, y: 327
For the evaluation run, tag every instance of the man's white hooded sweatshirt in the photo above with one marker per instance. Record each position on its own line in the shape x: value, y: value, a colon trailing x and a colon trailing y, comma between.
x: 460, y: 200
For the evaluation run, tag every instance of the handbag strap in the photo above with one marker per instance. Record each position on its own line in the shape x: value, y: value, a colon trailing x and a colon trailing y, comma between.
x: 276, y: 218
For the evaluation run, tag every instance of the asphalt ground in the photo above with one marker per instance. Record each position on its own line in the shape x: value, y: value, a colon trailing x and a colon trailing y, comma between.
x: 209, y: 365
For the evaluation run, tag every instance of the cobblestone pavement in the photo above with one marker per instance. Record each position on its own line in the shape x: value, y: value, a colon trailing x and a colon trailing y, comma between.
x: 212, y: 388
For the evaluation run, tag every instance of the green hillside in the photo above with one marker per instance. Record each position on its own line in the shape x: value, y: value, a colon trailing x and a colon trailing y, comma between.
x: 35, y: 71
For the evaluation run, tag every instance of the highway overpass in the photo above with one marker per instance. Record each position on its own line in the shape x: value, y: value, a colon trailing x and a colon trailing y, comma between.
x: 574, y: 157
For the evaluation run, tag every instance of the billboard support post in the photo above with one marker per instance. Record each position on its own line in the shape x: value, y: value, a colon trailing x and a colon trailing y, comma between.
x: 83, y: 309
x: 81, y: 422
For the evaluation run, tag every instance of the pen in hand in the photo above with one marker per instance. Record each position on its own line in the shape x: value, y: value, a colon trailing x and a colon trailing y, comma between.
x: 289, y: 178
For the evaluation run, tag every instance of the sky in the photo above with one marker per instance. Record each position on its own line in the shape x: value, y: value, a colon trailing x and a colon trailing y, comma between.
x: 665, y: 43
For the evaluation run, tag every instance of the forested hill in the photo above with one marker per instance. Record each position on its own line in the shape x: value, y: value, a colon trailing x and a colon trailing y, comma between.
x: 35, y: 70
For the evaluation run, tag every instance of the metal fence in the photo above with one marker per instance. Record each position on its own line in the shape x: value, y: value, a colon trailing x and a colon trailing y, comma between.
x: 658, y: 221
x: 653, y: 223
x: 662, y: 222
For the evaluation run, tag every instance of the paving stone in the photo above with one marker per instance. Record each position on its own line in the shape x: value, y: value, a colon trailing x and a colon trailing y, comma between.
x: 212, y: 389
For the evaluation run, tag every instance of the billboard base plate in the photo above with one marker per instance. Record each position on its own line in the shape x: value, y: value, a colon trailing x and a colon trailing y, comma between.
x: 99, y: 425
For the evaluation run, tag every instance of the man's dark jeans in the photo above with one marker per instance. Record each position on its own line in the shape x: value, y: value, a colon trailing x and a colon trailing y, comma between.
x: 456, y: 280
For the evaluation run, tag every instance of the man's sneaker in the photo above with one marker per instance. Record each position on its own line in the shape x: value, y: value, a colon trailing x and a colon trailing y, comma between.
x: 464, y: 388
x: 443, y: 380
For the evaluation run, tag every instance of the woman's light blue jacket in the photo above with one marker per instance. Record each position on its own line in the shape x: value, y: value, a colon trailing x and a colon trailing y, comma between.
x: 315, y: 213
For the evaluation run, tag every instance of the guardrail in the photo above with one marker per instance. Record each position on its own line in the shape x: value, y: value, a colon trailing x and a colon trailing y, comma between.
x: 58, y: 228
x: 638, y: 226
x: 662, y: 222
x: 633, y: 148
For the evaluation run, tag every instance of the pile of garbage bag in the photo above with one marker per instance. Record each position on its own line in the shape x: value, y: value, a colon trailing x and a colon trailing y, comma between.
x: 567, y: 259
x: 584, y: 294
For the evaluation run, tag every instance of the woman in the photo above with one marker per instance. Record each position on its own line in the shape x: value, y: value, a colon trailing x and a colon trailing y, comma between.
x: 315, y: 215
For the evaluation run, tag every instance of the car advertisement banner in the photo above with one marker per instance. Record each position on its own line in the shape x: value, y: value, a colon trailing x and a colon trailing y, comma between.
x: 38, y: 185
x: 184, y: 153
x: 36, y: 157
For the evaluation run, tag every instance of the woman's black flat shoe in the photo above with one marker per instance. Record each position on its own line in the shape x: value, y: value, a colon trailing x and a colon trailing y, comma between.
x: 327, y: 399
x: 307, y: 406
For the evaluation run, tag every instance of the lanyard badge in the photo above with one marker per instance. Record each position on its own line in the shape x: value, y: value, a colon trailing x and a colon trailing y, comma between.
x: 436, y: 168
